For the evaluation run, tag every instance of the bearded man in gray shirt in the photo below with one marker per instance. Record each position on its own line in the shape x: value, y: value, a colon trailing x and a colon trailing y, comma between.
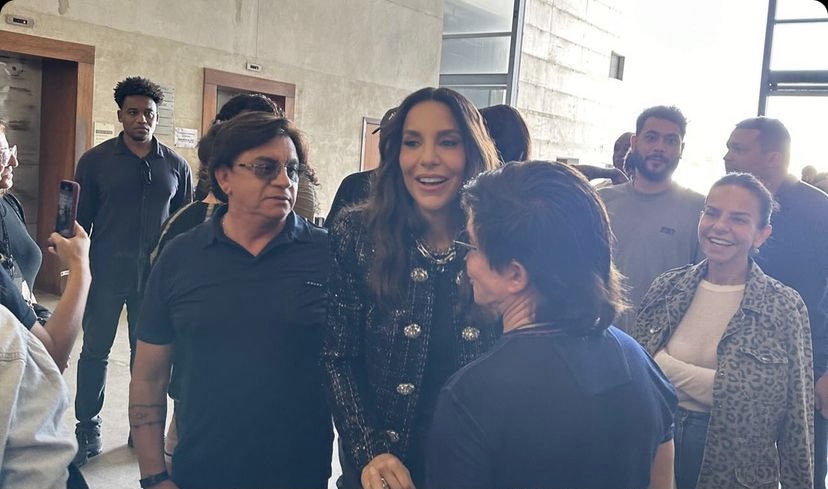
x: 653, y: 219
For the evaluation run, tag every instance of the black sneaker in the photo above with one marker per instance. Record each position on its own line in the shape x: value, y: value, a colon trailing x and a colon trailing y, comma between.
x: 89, y: 444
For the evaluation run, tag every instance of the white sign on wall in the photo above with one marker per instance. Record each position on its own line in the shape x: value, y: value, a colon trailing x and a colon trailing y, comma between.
x: 164, y: 129
x: 186, y: 137
x: 103, y: 132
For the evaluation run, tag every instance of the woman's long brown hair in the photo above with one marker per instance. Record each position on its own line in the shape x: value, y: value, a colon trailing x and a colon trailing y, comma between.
x: 392, y: 219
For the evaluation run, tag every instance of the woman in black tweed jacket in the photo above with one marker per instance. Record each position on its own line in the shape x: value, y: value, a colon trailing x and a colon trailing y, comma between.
x: 401, y: 313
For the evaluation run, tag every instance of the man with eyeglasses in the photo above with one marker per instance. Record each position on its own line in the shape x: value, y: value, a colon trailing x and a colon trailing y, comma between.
x: 19, y: 254
x: 129, y: 186
x: 240, y: 299
x: 653, y: 219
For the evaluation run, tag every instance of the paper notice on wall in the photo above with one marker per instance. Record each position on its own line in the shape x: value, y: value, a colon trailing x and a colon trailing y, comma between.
x: 185, y: 137
x: 164, y: 129
x: 103, y: 132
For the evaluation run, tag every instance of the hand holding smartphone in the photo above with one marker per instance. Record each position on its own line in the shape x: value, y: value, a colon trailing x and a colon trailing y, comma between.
x: 67, y: 210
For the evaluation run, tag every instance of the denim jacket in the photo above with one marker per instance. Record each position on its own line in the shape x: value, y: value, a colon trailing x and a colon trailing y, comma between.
x: 761, y: 423
x: 35, y: 444
x: 374, y: 359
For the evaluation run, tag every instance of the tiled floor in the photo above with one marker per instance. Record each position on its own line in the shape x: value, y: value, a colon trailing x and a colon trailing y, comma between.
x: 116, y: 467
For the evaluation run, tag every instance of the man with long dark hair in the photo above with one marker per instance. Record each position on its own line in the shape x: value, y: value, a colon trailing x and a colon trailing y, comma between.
x: 550, y: 404
x: 241, y: 300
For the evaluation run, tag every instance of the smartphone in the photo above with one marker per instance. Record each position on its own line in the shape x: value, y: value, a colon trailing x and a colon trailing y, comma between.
x: 67, y: 210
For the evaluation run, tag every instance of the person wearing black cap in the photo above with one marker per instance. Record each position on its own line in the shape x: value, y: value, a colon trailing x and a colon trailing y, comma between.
x: 355, y: 187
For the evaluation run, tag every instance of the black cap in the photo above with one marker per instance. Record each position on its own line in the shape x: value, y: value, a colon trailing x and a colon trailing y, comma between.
x: 386, y: 119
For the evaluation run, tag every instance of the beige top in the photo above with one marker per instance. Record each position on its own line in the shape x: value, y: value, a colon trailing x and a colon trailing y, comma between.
x: 689, y: 360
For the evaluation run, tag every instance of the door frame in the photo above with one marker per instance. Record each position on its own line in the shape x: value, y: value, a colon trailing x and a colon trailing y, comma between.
x: 65, y: 131
x: 216, y: 79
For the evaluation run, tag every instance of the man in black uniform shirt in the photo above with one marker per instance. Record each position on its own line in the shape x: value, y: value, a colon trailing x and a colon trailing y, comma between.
x: 129, y: 186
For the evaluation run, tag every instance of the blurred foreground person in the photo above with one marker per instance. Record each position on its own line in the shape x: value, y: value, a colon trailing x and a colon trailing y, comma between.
x: 563, y: 400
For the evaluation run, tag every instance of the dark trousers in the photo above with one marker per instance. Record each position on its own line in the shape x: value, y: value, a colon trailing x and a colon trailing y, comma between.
x: 100, y: 323
x: 691, y: 433
x: 820, y: 450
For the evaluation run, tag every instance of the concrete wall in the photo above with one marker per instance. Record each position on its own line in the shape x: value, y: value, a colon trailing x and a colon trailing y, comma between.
x: 565, y: 93
x: 348, y: 59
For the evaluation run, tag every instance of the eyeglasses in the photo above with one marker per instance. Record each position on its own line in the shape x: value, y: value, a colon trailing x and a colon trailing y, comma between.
x: 465, y: 246
x: 146, y: 172
x: 268, y: 170
x: 7, y: 154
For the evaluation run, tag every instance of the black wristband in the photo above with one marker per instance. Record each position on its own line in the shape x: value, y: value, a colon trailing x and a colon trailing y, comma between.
x: 154, y: 479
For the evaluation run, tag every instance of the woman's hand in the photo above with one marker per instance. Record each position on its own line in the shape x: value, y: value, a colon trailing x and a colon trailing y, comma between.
x: 385, y: 471
x: 74, y: 251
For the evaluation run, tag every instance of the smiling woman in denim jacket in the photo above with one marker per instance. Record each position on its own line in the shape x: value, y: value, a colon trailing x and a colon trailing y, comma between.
x: 736, y: 345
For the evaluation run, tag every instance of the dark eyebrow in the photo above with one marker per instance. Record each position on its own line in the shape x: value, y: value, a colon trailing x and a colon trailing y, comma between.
x: 737, y: 213
x: 447, y: 132
x: 665, y: 134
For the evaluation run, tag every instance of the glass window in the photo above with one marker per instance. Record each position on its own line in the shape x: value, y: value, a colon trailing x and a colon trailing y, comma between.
x: 616, y: 66
x: 788, y: 43
x: 464, y: 16
x: 808, y: 143
x: 475, y: 55
x: 483, y: 96
x: 800, y: 9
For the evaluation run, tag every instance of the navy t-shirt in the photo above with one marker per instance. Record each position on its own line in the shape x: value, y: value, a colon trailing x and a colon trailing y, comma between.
x: 548, y: 410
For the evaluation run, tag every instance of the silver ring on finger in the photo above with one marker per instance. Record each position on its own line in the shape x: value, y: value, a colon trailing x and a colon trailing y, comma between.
x: 384, y: 483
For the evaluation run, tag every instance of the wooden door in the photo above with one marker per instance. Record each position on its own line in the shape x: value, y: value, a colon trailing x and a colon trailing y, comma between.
x: 370, y: 144
x: 284, y: 94
x: 65, y: 128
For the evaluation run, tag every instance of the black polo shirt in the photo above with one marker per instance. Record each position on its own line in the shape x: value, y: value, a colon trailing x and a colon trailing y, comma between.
x: 121, y: 211
x: 796, y: 254
x: 247, y: 332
